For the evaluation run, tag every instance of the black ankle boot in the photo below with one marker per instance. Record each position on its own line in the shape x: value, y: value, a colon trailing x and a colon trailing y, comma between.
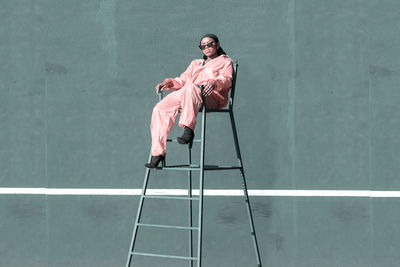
x: 187, y: 136
x: 154, y: 161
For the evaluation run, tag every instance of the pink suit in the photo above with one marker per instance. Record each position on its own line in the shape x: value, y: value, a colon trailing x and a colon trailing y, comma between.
x: 187, y: 97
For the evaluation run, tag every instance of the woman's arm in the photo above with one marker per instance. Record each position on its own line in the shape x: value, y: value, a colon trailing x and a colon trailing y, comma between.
x: 178, y: 82
x: 222, y: 82
x: 224, y: 79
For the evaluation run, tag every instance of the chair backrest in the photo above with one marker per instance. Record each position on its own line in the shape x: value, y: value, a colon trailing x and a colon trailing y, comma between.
x: 234, y: 74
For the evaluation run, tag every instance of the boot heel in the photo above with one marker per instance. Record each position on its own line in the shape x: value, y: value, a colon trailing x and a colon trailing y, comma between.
x: 187, y: 137
x: 163, y: 163
x: 155, y: 160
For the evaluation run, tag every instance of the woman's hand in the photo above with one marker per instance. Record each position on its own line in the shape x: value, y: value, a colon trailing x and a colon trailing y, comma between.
x: 167, y: 83
x: 209, y: 87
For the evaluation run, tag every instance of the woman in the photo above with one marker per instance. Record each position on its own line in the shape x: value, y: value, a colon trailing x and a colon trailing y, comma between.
x: 214, y: 71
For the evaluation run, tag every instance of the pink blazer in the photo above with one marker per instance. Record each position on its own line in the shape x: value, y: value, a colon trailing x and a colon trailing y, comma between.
x: 219, y: 69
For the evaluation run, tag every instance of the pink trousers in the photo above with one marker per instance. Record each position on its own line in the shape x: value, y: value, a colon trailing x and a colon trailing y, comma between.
x: 188, y: 100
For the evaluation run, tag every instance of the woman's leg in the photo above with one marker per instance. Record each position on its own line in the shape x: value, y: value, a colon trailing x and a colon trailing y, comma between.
x: 191, y: 104
x: 162, y: 121
x: 188, y: 99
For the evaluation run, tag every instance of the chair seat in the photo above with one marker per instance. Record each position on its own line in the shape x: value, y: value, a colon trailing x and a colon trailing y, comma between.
x: 215, y: 110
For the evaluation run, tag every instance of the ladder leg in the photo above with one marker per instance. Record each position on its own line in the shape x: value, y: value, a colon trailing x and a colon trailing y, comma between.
x: 244, y: 186
x: 190, y: 208
x: 201, y: 185
x: 138, y: 215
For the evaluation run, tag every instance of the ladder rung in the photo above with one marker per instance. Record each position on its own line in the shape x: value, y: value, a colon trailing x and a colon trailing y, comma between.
x: 218, y: 168
x: 168, y: 197
x: 164, y: 256
x: 179, y: 168
x: 175, y: 141
x: 197, y: 167
x: 168, y: 226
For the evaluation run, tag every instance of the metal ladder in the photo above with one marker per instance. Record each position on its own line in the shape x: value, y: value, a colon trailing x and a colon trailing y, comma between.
x: 189, y: 168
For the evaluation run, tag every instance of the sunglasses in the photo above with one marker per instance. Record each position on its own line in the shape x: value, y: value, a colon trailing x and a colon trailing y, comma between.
x: 210, y: 44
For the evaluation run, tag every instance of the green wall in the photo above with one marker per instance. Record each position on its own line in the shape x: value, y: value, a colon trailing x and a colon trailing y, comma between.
x: 316, y: 101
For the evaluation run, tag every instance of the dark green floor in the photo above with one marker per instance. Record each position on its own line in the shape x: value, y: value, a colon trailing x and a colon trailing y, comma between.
x: 95, y: 231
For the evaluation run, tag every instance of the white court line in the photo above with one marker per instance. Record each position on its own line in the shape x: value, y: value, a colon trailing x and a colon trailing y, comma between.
x: 207, y: 192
